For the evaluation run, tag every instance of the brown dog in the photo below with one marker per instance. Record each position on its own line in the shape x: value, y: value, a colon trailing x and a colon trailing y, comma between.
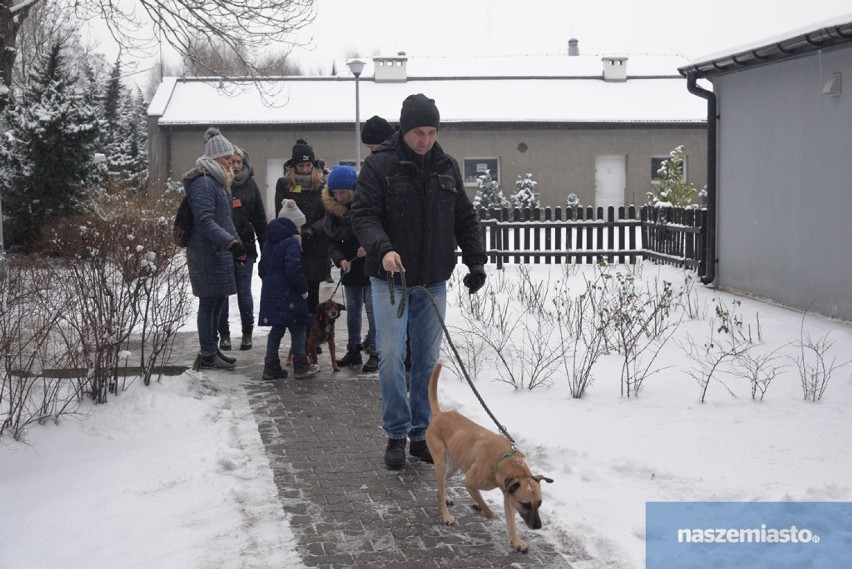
x: 321, y: 330
x: 488, y: 461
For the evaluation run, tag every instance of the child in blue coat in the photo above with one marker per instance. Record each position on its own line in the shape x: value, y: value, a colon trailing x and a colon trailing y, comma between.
x: 284, y: 293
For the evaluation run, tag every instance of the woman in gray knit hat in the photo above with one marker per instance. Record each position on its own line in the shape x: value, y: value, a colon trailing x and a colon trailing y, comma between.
x: 214, y: 245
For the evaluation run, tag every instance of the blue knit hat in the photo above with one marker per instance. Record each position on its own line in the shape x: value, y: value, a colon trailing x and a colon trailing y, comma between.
x: 342, y: 178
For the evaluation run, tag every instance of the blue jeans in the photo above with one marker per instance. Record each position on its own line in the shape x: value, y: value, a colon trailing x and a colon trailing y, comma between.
x: 358, y: 297
x: 209, y: 310
x: 244, y: 299
x: 297, y: 341
x: 407, y: 414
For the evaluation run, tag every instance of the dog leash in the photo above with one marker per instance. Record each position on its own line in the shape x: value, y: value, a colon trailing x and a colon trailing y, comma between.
x: 405, y: 292
x: 342, y: 274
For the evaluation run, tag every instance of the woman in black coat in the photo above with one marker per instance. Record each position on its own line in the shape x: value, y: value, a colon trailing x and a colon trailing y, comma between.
x: 347, y: 254
x: 250, y: 221
x: 303, y: 182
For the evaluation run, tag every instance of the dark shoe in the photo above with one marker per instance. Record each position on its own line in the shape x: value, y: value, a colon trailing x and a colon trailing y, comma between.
x: 228, y: 359
x: 372, y: 364
x: 395, y: 454
x: 352, y: 357
x: 225, y: 341
x: 213, y: 361
x: 245, y: 343
x: 303, y: 369
x: 420, y: 450
x: 272, y: 370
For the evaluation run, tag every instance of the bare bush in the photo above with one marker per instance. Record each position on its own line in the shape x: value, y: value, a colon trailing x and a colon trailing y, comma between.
x: 30, y: 307
x: 760, y: 370
x: 727, y: 344
x: 812, y: 362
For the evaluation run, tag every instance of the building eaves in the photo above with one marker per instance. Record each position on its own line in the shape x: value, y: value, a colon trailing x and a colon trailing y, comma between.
x: 826, y: 35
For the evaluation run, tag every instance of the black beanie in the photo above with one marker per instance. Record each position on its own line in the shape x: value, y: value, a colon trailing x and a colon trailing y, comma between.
x: 376, y: 130
x: 418, y: 110
x: 302, y: 152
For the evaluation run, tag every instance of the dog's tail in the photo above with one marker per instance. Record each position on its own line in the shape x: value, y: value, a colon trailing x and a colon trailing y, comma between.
x: 433, y: 390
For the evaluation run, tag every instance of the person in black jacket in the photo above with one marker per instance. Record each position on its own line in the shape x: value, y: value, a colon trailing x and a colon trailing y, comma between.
x: 410, y: 213
x: 347, y: 254
x: 303, y: 182
x: 250, y: 220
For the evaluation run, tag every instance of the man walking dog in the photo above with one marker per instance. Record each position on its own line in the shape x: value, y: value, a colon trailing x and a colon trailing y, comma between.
x: 410, y: 213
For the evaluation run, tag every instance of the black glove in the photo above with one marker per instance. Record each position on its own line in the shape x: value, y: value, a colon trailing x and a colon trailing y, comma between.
x: 475, y: 279
x: 307, y: 233
x: 239, y: 252
x: 237, y: 249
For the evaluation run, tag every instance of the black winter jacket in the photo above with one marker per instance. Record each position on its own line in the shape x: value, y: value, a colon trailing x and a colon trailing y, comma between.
x: 249, y: 215
x: 315, y: 260
x: 342, y: 243
x: 417, y: 206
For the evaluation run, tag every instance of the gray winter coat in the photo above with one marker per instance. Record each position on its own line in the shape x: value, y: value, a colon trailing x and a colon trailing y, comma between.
x: 211, y: 265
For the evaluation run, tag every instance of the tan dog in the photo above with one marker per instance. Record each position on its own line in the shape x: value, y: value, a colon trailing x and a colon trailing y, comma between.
x: 488, y: 461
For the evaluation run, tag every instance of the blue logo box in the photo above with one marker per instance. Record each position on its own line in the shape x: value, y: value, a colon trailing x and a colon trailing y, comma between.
x: 748, y: 535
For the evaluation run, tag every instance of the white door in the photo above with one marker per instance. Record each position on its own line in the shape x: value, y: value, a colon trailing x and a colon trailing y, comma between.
x: 274, y: 170
x: 610, y: 180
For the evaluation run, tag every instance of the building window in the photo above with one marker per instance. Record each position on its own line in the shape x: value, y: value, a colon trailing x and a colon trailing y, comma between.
x: 476, y: 167
x: 657, y: 161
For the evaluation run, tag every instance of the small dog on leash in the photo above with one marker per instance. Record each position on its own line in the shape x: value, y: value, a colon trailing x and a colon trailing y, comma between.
x: 488, y: 461
x: 320, y: 330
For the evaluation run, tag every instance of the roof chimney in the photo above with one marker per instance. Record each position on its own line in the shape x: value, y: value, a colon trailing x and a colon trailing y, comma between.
x: 614, y: 68
x: 392, y: 69
x: 573, y: 46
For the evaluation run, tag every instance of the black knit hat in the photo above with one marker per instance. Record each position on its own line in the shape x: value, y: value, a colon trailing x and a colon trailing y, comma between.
x: 418, y: 110
x: 376, y: 130
x: 302, y: 152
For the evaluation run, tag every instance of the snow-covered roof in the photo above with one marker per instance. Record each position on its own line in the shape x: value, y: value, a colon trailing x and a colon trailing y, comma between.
x: 796, y: 42
x: 652, y: 93
x: 521, y: 66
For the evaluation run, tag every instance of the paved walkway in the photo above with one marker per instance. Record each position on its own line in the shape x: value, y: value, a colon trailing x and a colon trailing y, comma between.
x: 324, y: 440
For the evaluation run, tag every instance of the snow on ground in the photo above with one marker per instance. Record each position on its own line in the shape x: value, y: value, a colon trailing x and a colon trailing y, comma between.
x: 174, y: 475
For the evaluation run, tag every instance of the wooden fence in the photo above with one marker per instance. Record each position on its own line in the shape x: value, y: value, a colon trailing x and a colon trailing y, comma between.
x: 626, y: 234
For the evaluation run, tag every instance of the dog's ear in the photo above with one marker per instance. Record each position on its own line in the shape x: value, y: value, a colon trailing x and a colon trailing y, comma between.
x: 539, y: 478
x: 510, y: 485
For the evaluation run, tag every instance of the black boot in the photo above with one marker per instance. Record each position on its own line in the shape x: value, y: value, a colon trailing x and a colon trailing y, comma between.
x: 372, y: 364
x: 352, y: 357
x: 224, y: 341
x: 272, y: 369
x: 303, y: 368
x: 245, y: 343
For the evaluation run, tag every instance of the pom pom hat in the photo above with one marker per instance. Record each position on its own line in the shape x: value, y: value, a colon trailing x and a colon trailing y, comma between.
x: 216, y: 145
x: 302, y: 152
x: 418, y: 110
x: 289, y: 210
x: 342, y: 178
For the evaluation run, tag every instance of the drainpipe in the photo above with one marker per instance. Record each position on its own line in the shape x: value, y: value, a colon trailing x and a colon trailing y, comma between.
x: 710, y: 245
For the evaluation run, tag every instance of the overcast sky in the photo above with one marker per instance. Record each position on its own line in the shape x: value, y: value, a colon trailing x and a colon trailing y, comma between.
x: 499, y: 27
x: 345, y: 28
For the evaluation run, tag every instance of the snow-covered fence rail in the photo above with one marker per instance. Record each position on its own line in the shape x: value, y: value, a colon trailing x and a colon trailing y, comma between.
x: 626, y: 234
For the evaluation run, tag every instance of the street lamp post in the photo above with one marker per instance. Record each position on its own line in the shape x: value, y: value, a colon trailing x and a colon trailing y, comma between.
x: 356, y: 66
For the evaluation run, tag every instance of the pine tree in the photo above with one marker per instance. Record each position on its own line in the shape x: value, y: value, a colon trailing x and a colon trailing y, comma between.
x: 489, y: 194
x: 46, y: 155
x: 525, y: 196
x: 672, y: 190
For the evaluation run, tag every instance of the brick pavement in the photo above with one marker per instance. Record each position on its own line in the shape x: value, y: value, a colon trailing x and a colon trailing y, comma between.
x: 325, y: 445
